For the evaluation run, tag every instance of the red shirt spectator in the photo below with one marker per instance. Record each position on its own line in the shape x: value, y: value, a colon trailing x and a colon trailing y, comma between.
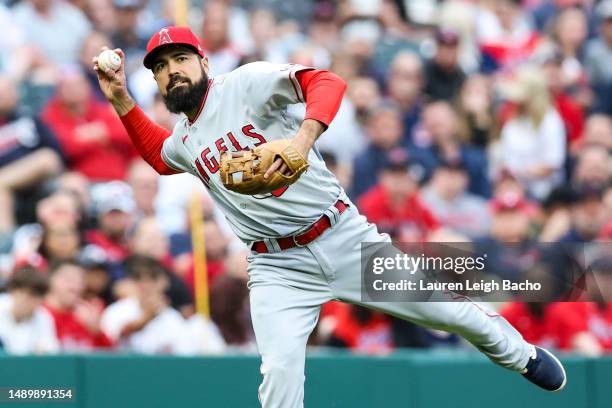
x: 561, y: 322
x: 573, y: 318
x: 360, y: 329
x: 72, y: 333
x: 90, y: 133
x: 77, y: 322
x: 535, y: 328
x: 411, y: 219
x: 114, y: 204
x: 394, y: 204
x: 572, y: 116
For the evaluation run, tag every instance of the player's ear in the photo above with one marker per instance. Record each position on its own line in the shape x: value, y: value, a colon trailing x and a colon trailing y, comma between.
x: 204, y: 62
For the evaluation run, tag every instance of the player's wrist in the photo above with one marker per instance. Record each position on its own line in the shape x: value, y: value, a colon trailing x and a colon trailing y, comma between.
x: 309, y: 132
x: 123, y: 104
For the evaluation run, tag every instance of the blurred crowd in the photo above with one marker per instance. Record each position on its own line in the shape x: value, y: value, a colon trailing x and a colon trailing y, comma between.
x: 464, y: 120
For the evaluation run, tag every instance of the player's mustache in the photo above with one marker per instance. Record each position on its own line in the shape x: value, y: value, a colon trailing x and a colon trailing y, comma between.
x: 176, y: 79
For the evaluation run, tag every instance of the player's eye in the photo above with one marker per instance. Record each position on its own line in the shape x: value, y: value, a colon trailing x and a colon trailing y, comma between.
x: 181, y: 59
x: 158, y: 67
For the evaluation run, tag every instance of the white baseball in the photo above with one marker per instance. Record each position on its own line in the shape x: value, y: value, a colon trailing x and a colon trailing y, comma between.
x: 109, y: 59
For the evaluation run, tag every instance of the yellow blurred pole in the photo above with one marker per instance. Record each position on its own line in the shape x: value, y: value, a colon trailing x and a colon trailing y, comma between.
x: 181, y: 13
x: 196, y: 219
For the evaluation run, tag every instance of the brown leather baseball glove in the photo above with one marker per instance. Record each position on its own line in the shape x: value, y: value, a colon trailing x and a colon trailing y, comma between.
x: 243, y: 172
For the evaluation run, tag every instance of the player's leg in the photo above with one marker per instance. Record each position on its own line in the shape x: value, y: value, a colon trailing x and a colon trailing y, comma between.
x: 489, y: 332
x: 285, y: 303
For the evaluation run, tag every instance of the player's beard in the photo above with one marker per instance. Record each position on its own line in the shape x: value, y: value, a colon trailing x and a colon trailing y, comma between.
x: 187, y: 98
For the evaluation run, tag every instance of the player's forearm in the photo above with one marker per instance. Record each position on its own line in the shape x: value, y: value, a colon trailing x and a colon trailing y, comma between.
x: 148, y: 138
x: 123, y: 105
x: 310, y: 130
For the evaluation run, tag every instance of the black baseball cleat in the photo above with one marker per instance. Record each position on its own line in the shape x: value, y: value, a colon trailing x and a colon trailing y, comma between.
x: 545, y: 370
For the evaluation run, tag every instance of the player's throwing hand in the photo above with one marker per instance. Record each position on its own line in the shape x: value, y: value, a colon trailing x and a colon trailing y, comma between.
x: 113, y: 84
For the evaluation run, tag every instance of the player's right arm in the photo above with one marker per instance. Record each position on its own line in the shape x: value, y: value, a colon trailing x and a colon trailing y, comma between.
x: 147, y: 136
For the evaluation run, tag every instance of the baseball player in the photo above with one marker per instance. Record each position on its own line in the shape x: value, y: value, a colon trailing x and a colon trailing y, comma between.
x: 304, y: 233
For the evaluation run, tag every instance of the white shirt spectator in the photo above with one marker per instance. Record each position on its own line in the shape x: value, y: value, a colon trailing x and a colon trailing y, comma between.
x: 11, y: 40
x: 59, y: 35
x: 523, y: 146
x: 162, y: 335
x: 33, y: 336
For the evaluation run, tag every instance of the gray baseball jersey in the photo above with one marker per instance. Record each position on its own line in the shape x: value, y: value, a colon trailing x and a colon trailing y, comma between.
x: 243, y: 109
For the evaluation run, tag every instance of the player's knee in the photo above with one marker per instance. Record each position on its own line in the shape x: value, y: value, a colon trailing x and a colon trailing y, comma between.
x: 287, y: 368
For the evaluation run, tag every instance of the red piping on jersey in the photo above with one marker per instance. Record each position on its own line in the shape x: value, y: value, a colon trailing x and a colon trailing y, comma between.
x: 191, y: 122
x: 293, y: 79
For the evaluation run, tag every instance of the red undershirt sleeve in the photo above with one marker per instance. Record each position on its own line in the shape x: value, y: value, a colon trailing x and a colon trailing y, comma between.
x: 323, y: 91
x: 148, y: 138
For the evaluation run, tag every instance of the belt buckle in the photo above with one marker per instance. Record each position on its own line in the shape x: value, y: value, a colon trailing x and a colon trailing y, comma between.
x: 297, y: 244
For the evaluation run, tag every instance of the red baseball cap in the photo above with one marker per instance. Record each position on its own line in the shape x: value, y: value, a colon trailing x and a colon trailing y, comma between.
x: 171, y: 36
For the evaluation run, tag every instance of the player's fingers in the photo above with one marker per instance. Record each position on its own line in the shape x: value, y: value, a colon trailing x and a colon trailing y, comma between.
x: 275, y: 166
x: 284, y: 169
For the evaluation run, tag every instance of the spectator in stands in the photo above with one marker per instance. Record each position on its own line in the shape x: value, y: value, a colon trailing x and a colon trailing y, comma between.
x: 587, y: 214
x: 229, y: 309
x: 508, y: 244
x: 395, y: 205
x: 144, y: 182
x: 385, y: 130
x: 444, y: 76
x: 77, y: 322
x: 404, y: 87
x: 60, y: 241
x: 115, y: 207
x: 25, y: 327
x: 570, y: 33
x: 504, y: 34
x: 126, y: 34
x: 146, y: 323
x: 90, y: 133
x: 148, y: 240
x: 91, y: 48
x: 29, y: 156
x: 533, y: 140
x: 15, y: 56
x: 598, y: 55
x: 507, y: 188
x: 364, y: 95
x: 477, y: 122
x: 56, y: 28
x: 598, y: 130
x: 221, y: 53
x: 441, y: 142
x: 447, y: 197
x: 97, y: 274
x: 361, y: 330
x: 557, y: 325
x: 592, y: 166
x: 565, y: 102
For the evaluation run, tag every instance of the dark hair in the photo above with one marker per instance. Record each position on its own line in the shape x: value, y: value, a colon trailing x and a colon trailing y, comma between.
x: 55, y: 265
x: 30, y: 279
x: 43, y: 248
x: 139, y: 266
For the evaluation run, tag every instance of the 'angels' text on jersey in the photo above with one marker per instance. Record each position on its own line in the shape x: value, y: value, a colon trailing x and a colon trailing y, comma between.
x: 241, y: 110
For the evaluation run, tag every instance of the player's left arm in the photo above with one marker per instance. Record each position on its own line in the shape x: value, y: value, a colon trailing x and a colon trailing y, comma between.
x: 323, y: 92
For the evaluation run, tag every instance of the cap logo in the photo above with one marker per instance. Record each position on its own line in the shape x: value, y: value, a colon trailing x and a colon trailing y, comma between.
x: 164, y: 37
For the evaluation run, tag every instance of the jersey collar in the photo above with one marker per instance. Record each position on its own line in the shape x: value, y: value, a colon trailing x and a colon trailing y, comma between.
x: 191, y: 122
